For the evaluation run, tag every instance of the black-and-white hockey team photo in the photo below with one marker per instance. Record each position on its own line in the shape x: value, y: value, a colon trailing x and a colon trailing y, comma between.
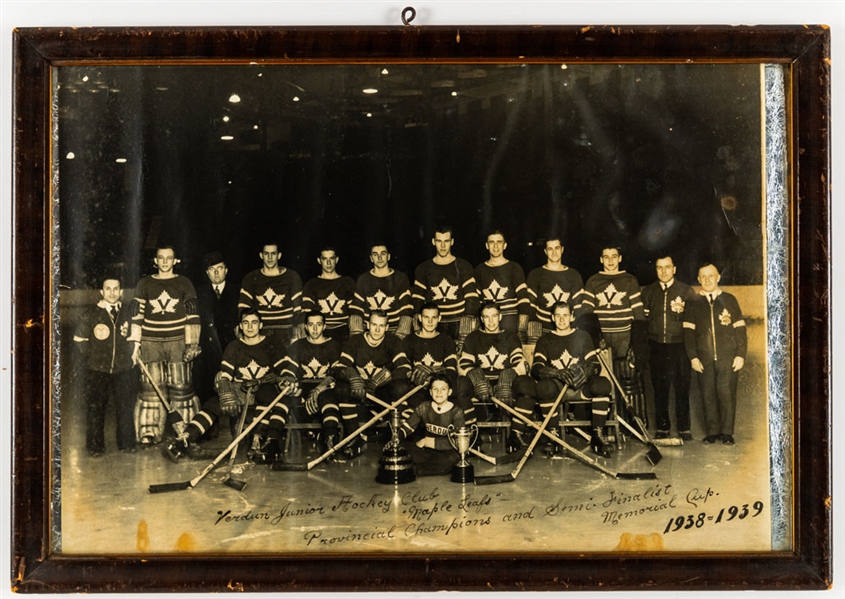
x: 393, y: 308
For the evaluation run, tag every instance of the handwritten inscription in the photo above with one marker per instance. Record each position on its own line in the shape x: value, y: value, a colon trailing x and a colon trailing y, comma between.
x: 434, y: 512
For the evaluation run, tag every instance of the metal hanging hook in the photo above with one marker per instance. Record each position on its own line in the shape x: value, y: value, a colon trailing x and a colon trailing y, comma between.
x: 409, y: 13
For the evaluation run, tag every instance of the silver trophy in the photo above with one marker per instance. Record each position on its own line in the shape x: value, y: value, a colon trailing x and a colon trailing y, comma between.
x: 462, y: 439
x: 395, y: 466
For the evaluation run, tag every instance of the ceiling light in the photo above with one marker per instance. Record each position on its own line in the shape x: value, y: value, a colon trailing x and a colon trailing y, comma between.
x: 70, y: 156
x: 296, y: 98
x: 370, y: 90
x: 384, y: 71
x: 85, y: 78
x: 234, y: 98
x: 226, y: 137
x: 369, y: 115
x: 225, y: 119
x: 255, y: 126
x: 161, y: 88
x: 121, y: 160
x: 563, y: 67
x: 454, y: 94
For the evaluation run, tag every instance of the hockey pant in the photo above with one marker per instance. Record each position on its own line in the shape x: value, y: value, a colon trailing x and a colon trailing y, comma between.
x: 174, y: 381
x: 631, y: 382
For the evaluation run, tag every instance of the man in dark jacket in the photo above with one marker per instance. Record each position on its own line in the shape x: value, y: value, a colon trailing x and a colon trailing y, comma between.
x: 716, y: 341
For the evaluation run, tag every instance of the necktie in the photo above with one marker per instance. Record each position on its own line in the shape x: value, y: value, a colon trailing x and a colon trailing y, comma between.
x: 217, y: 291
x: 710, y: 299
x: 113, y: 313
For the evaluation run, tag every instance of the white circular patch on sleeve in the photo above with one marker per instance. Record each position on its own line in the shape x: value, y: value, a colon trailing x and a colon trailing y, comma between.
x: 101, y: 332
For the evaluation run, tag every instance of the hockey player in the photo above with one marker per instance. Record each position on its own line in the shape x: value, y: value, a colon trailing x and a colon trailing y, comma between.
x: 432, y: 453
x: 613, y: 297
x: 716, y: 342
x: 449, y: 282
x: 549, y: 284
x: 385, y: 289
x: 218, y: 307
x: 248, y: 380
x: 372, y: 362
x: 331, y: 294
x: 309, y: 365
x: 567, y: 356
x: 276, y: 292
x: 664, y: 302
x: 492, y: 364
x: 102, y: 335
x: 167, y: 325
x: 502, y: 281
x: 430, y: 352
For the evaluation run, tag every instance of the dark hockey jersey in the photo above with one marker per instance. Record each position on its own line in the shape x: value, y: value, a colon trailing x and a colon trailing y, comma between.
x: 330, y: 297
x: 307, y: 360
x: 162, y: 311
x: 435, y: 352
x: 492, y: 352
x: 562, y: 351
x: 392, y: 294
x: 548, y: 287
x: 436, y: 425
x: 615, y: 300
x: 367, y: 359
x: 242, y: 362
x: 277, y: 298
x: 451, y: 286
x: 505, y: 285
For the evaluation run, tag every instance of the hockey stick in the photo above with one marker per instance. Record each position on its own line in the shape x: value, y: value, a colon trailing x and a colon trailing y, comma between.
x: 348, y: 438
x: 190, y: 484
x: 509, y: 478
x: 238, y: 485
x: 653, y: 454
x: 583, y: 457
x: 505, y: 459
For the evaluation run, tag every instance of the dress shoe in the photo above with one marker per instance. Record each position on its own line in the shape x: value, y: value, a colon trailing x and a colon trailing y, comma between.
x: 686, y: 436
x: 710, y: 439
x: 728, y: 440
x: 661, y: 435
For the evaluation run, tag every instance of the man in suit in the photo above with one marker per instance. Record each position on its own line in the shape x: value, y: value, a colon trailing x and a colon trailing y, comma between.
x: 218, y: 308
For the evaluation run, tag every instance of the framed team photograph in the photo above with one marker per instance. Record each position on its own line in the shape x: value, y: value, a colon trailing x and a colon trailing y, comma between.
x: 421, y: 308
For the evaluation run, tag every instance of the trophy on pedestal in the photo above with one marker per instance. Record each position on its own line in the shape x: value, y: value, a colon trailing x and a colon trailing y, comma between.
x: 395, y: 466
x: 462, y: 439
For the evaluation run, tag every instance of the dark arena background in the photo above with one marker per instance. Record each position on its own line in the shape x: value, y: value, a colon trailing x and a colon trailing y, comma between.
x: 654, y: 159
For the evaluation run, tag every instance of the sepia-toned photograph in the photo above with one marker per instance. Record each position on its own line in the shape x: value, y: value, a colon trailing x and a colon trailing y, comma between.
x: 421, y: 308
x: 379, y: 308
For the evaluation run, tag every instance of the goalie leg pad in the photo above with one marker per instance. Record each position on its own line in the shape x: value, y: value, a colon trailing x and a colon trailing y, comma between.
x: 181, y: 390
x: 150, y: 417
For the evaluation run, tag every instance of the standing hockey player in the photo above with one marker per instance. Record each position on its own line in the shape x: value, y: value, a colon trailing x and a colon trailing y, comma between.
x: 502, y: 281
x: 665, y: 301
x: 331, y: 295
x: 716, y: 341
x: 384, y: 289
x: 308, y: 367
x: 167, y: 324
x: 549, y: 284
x: 372, y: 362
x: 276, y: 292
x: 613, y: 297
x: 449, y: 282
x: 567, y: 356
x: 218, y: 307
x: 102, y: 335
x: 492, y: 364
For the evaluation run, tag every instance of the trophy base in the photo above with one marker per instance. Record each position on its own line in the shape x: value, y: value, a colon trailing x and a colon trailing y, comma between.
x: 463, y: 474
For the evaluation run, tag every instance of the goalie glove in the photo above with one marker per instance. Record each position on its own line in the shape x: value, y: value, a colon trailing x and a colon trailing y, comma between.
x: 421, y: 375
x: 230, y: 403
x: 480, y: 385
x: 533, y: 332
x: 504, y: 388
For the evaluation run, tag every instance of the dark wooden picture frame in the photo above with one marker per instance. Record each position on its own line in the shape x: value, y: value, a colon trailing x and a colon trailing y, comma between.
x: 805, y: 49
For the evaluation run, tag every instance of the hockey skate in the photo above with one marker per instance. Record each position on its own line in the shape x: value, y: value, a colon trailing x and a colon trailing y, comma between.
x: 599, y: 446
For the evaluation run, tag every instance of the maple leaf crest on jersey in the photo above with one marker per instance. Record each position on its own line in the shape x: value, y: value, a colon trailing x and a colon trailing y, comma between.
x: 428, y: 360
x: 164, y: 303
x: 725, y: 317
x: 611, y: 296
x: 368, y: 369
x: 332, y: 304
x: 380, y: 301
x: 252, y: 371
x: 445, y: 291
x: 315, y: 369
x: 565, y: 360
x: 495, y: 292
x: 556, y: 295
x: 270, y: 299
x: 492, y: 359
